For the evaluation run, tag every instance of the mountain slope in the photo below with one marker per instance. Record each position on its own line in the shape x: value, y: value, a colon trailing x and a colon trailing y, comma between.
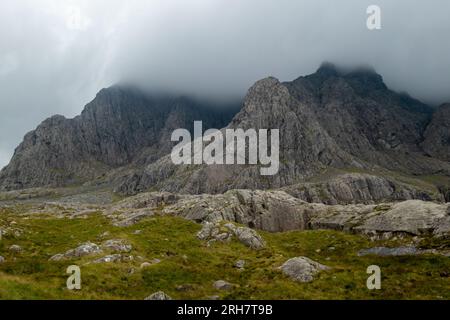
x: 119, y: 126
x: 327, y: 119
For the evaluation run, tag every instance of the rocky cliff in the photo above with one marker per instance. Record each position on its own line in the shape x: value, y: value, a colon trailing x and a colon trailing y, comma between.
x: 121, y: 126
x: 329, y: 119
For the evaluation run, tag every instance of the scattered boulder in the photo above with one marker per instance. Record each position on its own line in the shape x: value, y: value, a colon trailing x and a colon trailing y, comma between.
x: 160, y: 295
x: 224, y: 232
x: 302, y: 269
x: 117, y: 245
x: 223, y: 285
x: 57, y: 257
x: 249, y: 237
x: 151, y: 263
x: 207, y: 231
x: 15, y: 248
x: 113, y: 258
x: 240, y: 264
x: 85, y: 249
x: 2, y: 260
x: 184, y: 287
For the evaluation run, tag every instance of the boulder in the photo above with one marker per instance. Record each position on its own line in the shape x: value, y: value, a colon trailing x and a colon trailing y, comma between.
x: 85, y: 249
x: 117, y: 245
x: 223, y: 285
x: 302, y: 269
x: 109, y: 258
x: 15, y: 248
x: 160, y: 295
x: 383, y: 251
x: 249, y: 237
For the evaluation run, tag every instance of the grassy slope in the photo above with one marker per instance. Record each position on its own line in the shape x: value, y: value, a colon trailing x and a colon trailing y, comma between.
x: 188, y: 261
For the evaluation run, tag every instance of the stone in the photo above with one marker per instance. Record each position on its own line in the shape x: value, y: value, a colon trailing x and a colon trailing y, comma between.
x: 302, y: 269
x: 206, y: 231
x: 57, y: 257
x: 383, y: 251
x: 250, y: 238
x: 117, y: 245
x: 85, y: 249
x: 2, y: 259
x: 15, y: 248
x: 223, y: 285
x: 148, y: 264
x: 240, y: 264
x: 109, y: 258
x: 160, y: 295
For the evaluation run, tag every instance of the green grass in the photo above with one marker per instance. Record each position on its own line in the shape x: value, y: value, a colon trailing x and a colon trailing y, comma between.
x: 187, y: 261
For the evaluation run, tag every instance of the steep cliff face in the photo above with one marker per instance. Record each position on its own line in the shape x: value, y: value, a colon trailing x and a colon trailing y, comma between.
x: 437, y: 135
x: 327, y: 119
x: 120, y: 126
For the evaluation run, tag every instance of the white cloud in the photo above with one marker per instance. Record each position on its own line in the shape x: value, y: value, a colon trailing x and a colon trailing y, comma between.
x: 76, y: 20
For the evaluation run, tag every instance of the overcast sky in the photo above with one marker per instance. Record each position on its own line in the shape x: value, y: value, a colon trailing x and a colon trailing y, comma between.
x: 56, y: 54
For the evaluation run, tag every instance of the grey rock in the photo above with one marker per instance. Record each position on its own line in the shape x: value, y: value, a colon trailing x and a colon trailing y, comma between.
x: 15, y: 248
x: 302, y: 269
x: 206, y: 232
x: 57, y: 257
x: 151, y: 263
x: 355, y: 188
x: 112, y: 258
x: 160, y: 295
x: 250, y: 238
x: 240, y: 264
x: 383, y: 251
x: 85, y: 249
x: 117, y: 245
x: 437, y: 134
x: 223, y: 285
x: 2, y: 259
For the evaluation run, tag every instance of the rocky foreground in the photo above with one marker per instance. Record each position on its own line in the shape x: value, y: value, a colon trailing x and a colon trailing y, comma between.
x: 241, y: 244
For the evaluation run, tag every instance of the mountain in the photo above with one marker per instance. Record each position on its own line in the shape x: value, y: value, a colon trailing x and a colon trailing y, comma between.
x: 121, y: 126
x: 330, y: 119
x: 332, y: 123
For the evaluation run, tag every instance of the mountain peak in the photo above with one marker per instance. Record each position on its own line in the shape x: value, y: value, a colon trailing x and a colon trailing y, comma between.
x: 328, y: 69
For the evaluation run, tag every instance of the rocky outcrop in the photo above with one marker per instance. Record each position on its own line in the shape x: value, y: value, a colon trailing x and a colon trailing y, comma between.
x: 85, y: 249
x: 225, y: 232
x: 361, y: 188
x: 276, y: 211
x: 302, y: 269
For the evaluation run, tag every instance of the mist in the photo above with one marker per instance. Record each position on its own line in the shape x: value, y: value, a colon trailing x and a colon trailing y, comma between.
x: 56, y: 55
